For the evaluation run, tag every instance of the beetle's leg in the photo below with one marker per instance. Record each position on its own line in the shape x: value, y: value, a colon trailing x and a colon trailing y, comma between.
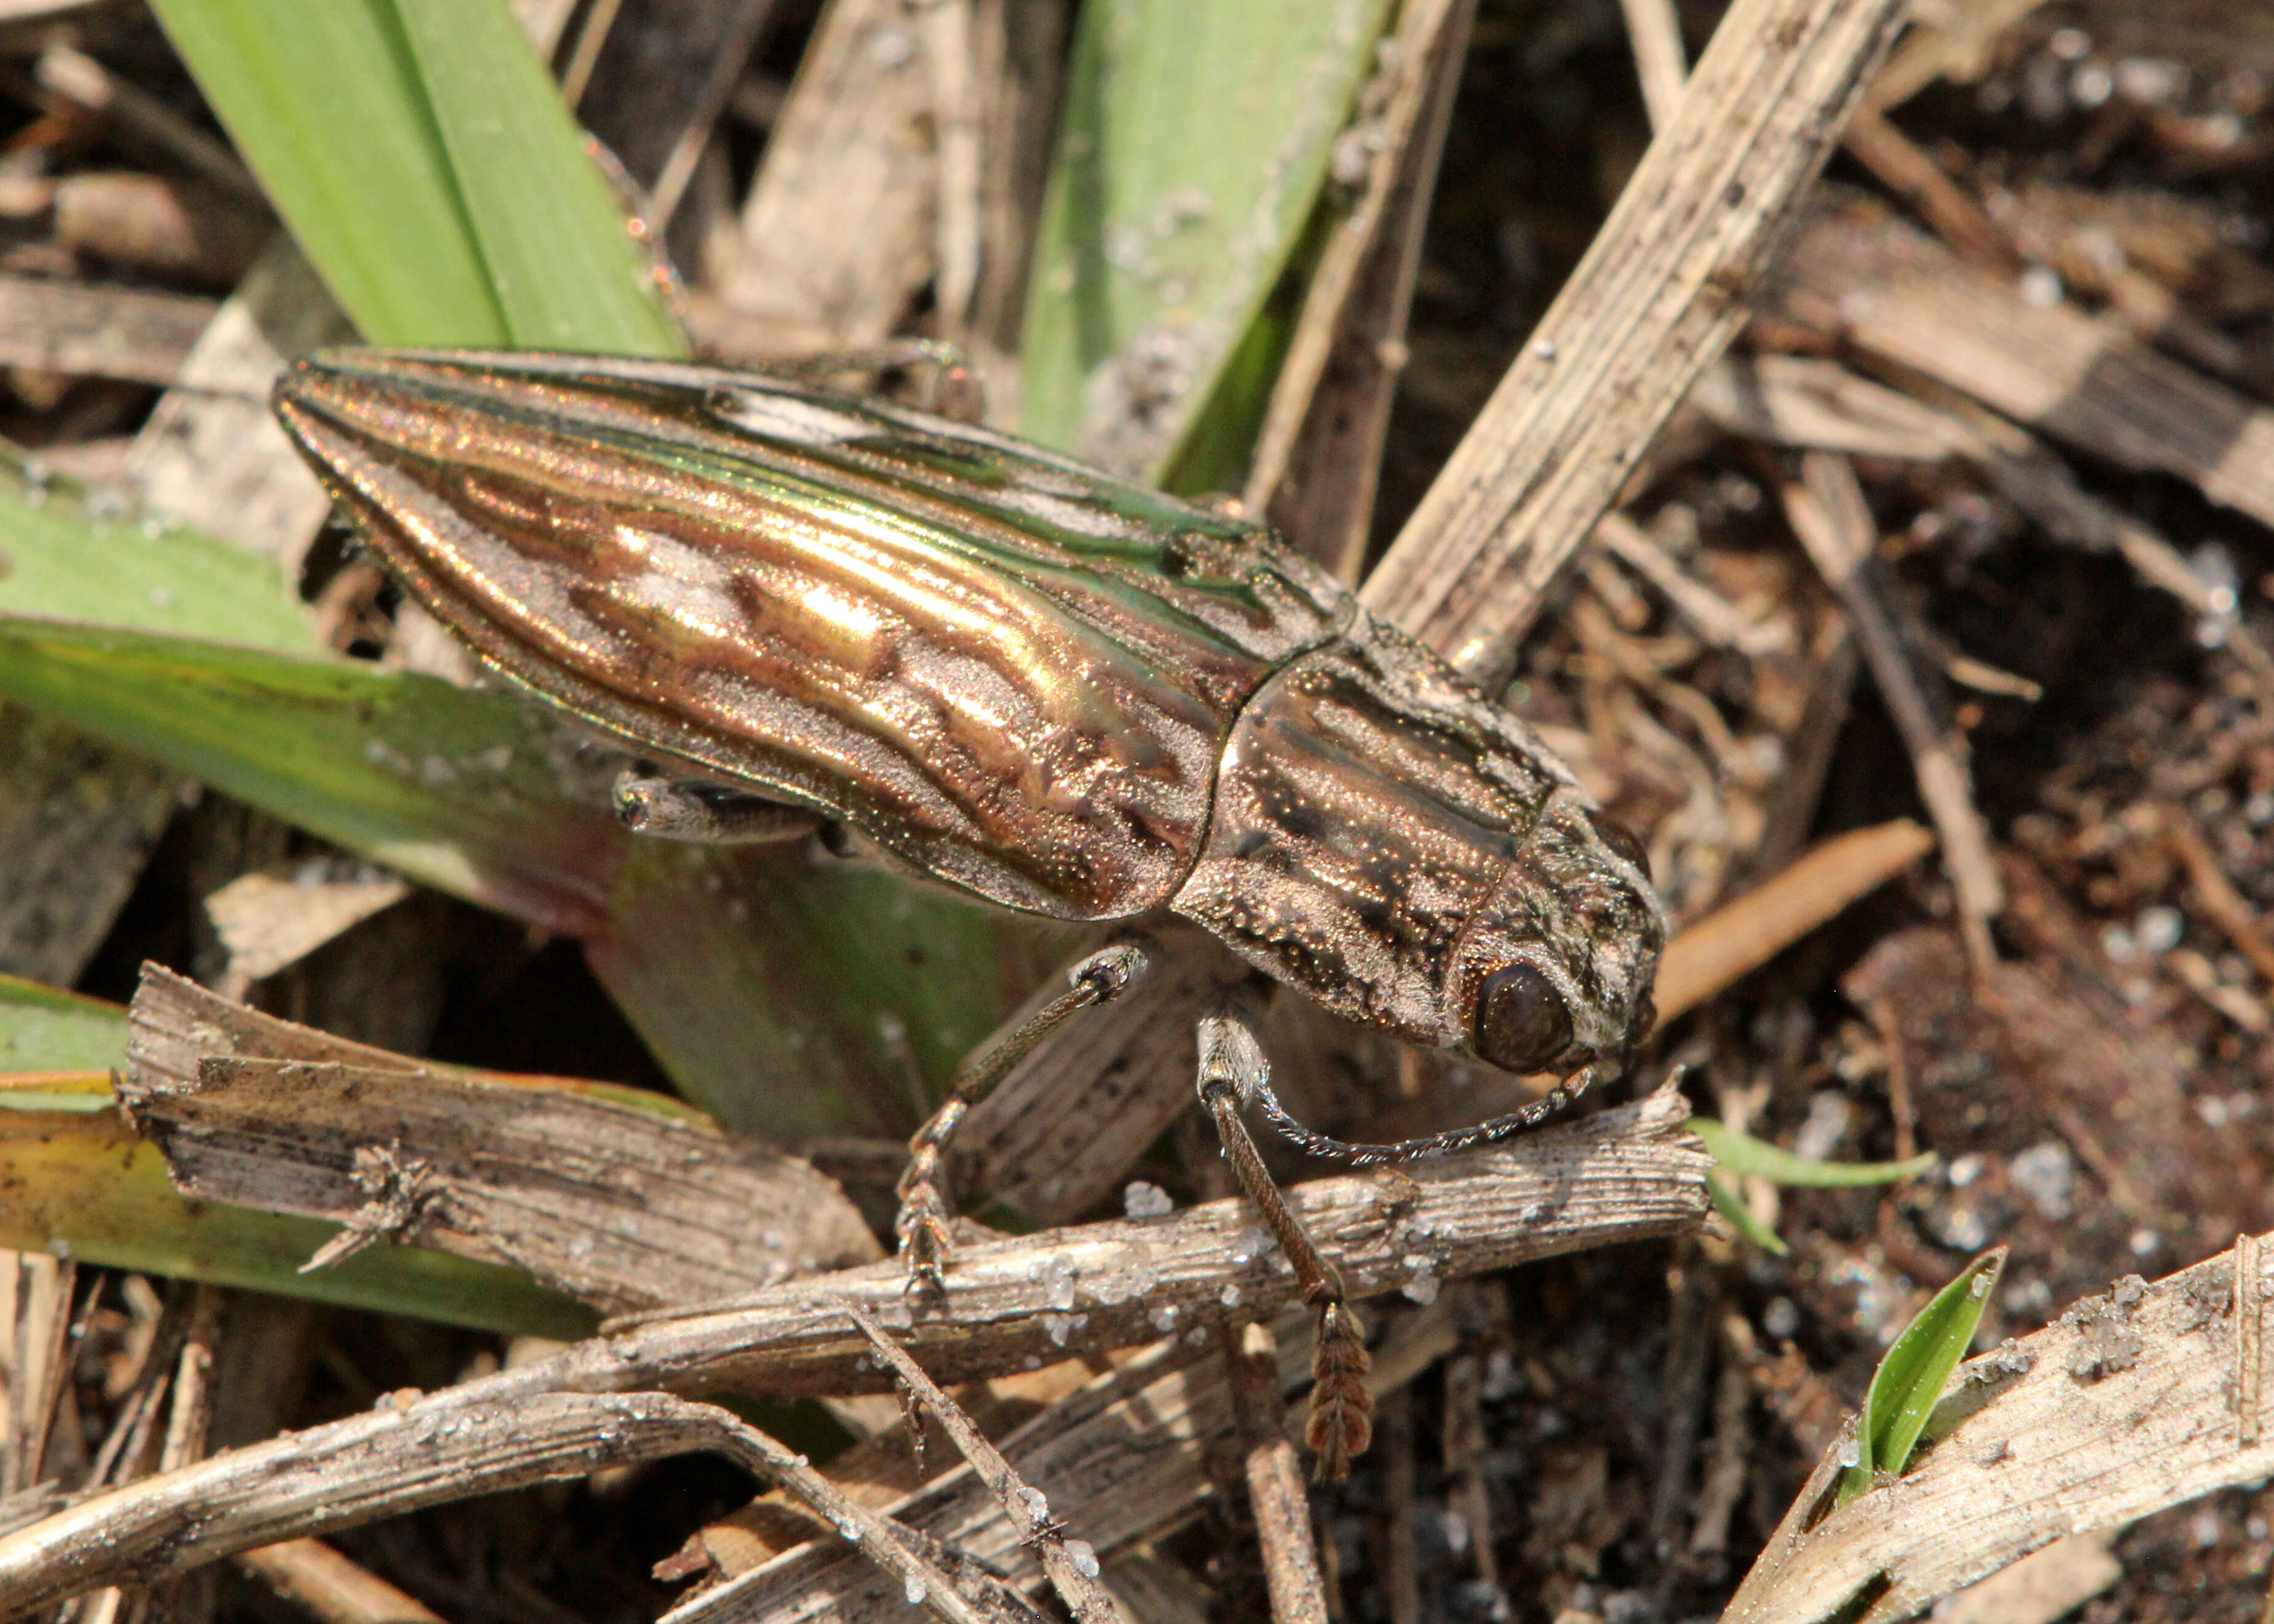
x: 683, y: 810
x: 1232, y: 1073
x: 1433, y: 1145
x: 923, y: 1191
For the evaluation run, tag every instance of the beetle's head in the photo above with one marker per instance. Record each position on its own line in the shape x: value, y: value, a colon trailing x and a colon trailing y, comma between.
x: 1554, y: 973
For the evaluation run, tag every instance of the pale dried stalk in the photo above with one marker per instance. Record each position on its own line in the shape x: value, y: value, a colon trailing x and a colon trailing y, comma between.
x: 1621, y: 1174
x: 1739, y: 937
x: 1875, y: 282
x: 838, y: 233
x: 1275, y: 1477
x: 1827, y: 510
x: 1654, y: 31
x: 1347, y: 346
x: 2228, y: 908
x: 1084, y: 1597
x: 1715, y: 618
x: 454, y: 1445
x: 1659, y: 296
x: 329, y: 1587
x: 2125, y: 1405
x: 946, y: 26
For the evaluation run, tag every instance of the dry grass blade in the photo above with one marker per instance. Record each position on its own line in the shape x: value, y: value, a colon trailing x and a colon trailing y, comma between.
x: 1879, y: 284
x: 1319, y: 456
x: 1827, y: 510
x: 1275, y: 1478
x: 1071, y: 1564
x: 211, y: 454
x: 1659, y: 296
x: 621, y: 1207
x: 329, y: 1587
x: 1622, y: 1174
x: 2099, y: 1418
x: 35, y: 1307
x: 1654, y: 31
x: 1734, y: 940
x: 1619, y: 1175
x: 838, y: 233
x: 78, y: 819
x: 460, y: 1443
x: 132, y: 333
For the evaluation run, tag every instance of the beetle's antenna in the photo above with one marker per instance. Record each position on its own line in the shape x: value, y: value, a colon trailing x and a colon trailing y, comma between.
x: 1432, y: 1145
x: 1233, y: 1071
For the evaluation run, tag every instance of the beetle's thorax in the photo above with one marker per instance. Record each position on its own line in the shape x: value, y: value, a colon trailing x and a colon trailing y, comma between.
x: 1383, y: 838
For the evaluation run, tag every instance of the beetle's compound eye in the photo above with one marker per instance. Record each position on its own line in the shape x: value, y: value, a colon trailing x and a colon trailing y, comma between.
x: 1522, y: 1023
x: 1621, y: 839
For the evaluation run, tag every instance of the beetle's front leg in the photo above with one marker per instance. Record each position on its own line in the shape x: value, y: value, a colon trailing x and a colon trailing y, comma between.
x: 1233, y: 1073
x: 922, y: 1226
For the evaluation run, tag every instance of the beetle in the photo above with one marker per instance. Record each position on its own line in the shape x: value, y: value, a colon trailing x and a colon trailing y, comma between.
x: 1044, y: 686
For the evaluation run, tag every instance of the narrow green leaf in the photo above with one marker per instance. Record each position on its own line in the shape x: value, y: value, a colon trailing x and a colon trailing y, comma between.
x: 1190, y: 157
x: 426, y: 165
x: 783, y: 1000
x: 1732, y: 1206
x: 1910, y: 1378
x: 45, y: 1029
x: 1742, y: 1154
x: 551, y: 235
x: 79, y: 1181
x: 792, y: 1001
x: 471, y: 793
x: 326, y: 103
x: 61, y: 559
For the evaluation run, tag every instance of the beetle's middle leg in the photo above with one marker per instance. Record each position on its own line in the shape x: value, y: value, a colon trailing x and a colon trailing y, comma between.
x: 1103, y: 976
x: 1233, y: 1073
x: 670, y: 808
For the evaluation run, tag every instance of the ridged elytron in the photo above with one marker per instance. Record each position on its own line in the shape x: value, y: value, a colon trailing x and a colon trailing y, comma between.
x: 1052, y: 688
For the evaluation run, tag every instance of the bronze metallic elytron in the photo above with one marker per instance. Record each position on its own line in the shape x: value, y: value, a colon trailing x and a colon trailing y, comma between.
x: 1045, y: 686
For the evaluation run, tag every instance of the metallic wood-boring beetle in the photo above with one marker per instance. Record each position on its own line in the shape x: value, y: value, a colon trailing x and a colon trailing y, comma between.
x: 1043, y: 685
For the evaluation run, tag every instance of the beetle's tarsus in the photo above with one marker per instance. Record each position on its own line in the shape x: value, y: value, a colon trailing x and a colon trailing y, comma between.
x: 1341, y: 1423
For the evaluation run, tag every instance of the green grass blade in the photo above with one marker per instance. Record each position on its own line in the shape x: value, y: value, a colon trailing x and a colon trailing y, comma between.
x: 45, y: 1029
x: 61, y: 561
x: 78, y: 1178
x: 1732, y: 1206
x: 794, y: 1001
x: 782, y: 1000
x: 1190, y: 157
x: 1911, y: 1378
x: 1742, y: 1154
x: 426, y: 165
x: 564, y: 269
x: 325, y: 100
x: 464, y: 791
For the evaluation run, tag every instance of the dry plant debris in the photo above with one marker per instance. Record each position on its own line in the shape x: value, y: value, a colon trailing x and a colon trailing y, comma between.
x: 1640, y: 410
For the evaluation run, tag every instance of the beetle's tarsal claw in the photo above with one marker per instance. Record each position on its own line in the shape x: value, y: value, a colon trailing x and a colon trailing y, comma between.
x: 1110, y: 972
x: 922, y: 1223
x: 1342, y: 1406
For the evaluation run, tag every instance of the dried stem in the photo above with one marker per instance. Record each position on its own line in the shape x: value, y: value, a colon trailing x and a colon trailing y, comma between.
x: 1073, y: 1574
x: 1274, y: 1480
x: 329, y: 1587
x: 1621, y: 1174
x: 1827, y: 510
x: 1659, y: 295
x: 465, y: 1441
